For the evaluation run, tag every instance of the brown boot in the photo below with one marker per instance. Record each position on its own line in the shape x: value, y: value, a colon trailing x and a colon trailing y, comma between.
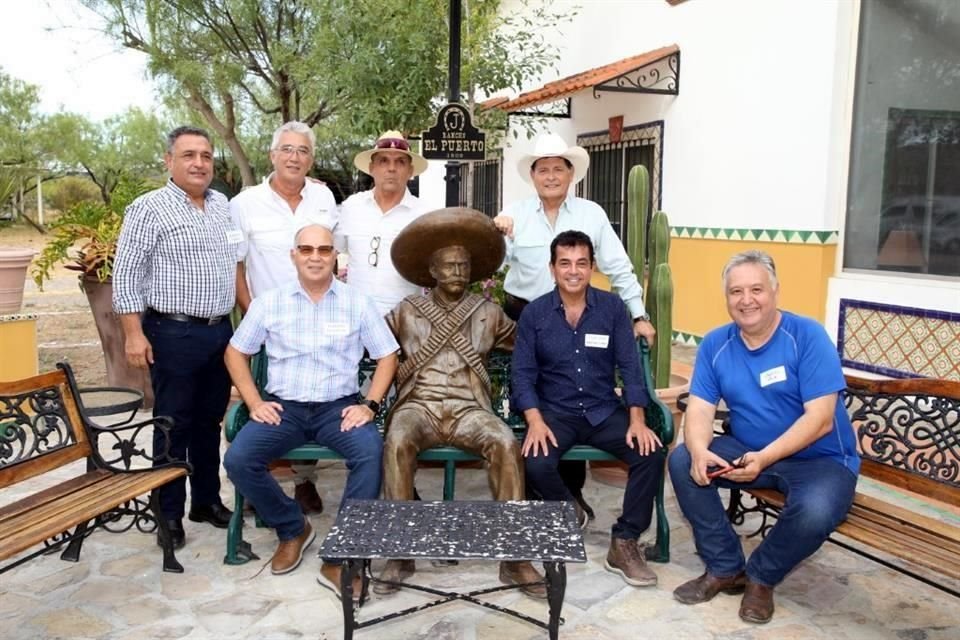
x: 757, y: 603
x: 395, y: 571
x: 289, y: 553
x: 705, y: 587
x: 523, y: 573
x: 329, y: 578
x: 626, y: 559
x: 307, y: 497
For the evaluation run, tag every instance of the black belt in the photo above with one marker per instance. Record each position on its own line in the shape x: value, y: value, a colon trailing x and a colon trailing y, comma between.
x: 182, y: 317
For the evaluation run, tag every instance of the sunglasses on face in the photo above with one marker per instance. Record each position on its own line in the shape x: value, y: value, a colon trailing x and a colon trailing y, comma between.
x: 307, y: 250
x: 393, y: 143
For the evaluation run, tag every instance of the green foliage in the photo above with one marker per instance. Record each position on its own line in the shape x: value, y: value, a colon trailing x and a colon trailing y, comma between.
x: 659, y: 286
x: 18, y: 116
x: 97, y: 224
x: 492, y: 287
x: 348, y: 69
x: 63, y: 193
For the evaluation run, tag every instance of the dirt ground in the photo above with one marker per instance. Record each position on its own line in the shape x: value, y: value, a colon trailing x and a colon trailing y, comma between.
x: 65, y: 328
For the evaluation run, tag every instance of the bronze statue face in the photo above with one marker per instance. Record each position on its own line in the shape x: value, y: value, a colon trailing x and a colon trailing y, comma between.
x: 450, y: 267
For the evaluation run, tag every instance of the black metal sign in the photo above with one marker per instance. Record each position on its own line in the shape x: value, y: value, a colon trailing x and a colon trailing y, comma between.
x: 454, y: 137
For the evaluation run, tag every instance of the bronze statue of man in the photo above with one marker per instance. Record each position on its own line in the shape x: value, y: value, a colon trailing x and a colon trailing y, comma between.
x: 443, y: 390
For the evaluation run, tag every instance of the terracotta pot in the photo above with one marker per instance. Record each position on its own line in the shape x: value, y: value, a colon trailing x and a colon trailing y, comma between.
x: 613, y: 472
x: 13, y: 272
x: 119, y: 372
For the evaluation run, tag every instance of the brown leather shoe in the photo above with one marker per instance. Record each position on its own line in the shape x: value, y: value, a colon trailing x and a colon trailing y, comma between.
x: 707, y: 586
x: 307, y: 497
x: 395, y: 571
x: 757, y: 603
x: 289, y: 553
x: 626, y: 559
x: 329, y: 578
x: 523, y: 573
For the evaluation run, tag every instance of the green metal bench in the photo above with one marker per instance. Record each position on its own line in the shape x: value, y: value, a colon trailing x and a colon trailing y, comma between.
x: 658, y: 417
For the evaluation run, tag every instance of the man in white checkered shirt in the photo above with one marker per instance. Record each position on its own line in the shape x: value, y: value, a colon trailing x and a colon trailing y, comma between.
x: 173, y: 288
x: 315, y: 330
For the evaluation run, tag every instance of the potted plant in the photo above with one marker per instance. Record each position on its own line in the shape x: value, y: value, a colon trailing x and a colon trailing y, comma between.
x: 670, y: 378
x: 97, y: 226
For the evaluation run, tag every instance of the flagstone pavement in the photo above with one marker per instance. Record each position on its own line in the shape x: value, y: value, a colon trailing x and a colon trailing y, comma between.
x: 118, y: 591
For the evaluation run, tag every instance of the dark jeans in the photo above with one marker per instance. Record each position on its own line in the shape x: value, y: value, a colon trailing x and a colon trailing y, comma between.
x: 258, y: 444
x: 191, y: 385
x: 819, y: 492
x: 643, y: 477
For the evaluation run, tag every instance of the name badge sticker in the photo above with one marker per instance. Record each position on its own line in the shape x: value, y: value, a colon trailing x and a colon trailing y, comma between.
x: 772, y: 376
x: 596, y: 340
x: 336, y: 329
x: 234, y: 236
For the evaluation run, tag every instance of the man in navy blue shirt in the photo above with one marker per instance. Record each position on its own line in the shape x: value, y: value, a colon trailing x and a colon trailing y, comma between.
x: 570, y: 342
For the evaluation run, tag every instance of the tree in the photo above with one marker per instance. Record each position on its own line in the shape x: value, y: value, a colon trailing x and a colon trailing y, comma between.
x: 350, y: 67
x: 18, y: 119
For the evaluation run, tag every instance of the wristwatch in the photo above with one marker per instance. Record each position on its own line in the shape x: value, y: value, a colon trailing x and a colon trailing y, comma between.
x: 373, y: 405
x: 645, y: 317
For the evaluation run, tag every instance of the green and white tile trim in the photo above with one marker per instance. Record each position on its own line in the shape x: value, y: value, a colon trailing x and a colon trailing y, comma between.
x: 687, y: 338
x: 790, y: 236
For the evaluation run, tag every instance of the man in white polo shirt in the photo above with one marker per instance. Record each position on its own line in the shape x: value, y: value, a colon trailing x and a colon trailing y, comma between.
x: 371, y: 220
x: 269, y: 215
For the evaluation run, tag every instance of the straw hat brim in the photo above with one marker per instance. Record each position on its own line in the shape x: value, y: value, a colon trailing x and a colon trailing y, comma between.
x: 413, y: 247
x: 362, y: 160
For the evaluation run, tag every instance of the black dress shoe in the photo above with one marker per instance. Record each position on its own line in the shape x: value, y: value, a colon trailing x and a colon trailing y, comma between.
x: 176, y: 534
x: 216, y: 514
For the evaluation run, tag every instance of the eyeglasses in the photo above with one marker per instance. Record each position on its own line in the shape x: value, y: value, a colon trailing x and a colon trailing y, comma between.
x: 289, y: 150
x: 392, y: 143
x: 307, y: 250
x: 374, y: 256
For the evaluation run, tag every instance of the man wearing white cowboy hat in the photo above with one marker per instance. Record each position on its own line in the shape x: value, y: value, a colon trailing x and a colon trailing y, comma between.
x: 531, y: 225
x: 370, y: 220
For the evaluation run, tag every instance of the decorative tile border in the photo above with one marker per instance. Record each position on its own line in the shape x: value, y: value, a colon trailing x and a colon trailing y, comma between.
x: 687, y: 338
x: 756, y: 235
x: 900, y: 342
x: 17, y: 317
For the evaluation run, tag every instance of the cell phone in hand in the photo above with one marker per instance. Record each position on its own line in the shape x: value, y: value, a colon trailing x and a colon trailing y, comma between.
x: 719, y: 471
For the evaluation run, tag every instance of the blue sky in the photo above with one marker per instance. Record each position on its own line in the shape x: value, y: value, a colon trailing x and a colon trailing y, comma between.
x: 56, y: 45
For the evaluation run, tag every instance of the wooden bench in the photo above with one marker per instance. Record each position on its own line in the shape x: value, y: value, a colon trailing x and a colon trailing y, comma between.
x: 908, y: 434
x: 658, y: 418
x: 42, y: 430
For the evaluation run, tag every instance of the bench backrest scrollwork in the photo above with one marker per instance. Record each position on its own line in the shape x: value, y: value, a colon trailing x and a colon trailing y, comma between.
x: 40, y: 427
x: 910, y: 426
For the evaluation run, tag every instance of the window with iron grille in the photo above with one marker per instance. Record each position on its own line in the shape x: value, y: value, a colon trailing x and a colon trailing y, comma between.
x: 610, y: 164
x: 480, y: 186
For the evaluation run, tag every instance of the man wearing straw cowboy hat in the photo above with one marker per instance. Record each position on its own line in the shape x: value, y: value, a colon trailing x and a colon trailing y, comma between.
x: 370, y: 220
x: 443, y: 390
x: 531, y: 225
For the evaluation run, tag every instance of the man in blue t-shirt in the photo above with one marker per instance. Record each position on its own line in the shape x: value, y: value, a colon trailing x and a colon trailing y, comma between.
x: 570, y: 342
x: 780, y: 377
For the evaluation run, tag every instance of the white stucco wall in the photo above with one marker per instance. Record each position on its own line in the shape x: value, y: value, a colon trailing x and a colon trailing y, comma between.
x: 746, y: 141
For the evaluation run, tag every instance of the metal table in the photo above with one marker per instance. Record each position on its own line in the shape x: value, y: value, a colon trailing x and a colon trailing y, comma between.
x: 99, y: 402
x: 539, y: 531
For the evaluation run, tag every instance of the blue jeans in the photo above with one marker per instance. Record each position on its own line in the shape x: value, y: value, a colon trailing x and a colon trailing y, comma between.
x: 643, y: 477
x: 258, y: 444
x: 818, y: 492
x: 191, y: 385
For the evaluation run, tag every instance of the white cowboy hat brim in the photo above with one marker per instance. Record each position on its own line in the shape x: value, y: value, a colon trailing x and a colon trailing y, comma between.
x: 362, y: 160
x: 577, y: 156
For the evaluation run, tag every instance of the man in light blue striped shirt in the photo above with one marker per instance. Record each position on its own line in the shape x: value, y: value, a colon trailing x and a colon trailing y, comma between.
x: 315, y: 330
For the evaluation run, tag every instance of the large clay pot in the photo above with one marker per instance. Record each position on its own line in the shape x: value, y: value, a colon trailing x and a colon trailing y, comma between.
x: 614, y: 473
x: 13, y: 272
x: 119, y: 372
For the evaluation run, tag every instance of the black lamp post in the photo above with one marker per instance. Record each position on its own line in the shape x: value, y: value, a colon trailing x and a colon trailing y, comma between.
x: 453, y: 168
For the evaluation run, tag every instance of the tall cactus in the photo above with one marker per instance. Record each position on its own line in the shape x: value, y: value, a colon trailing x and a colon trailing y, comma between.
x: 658, y: 288
x: 638, y: 208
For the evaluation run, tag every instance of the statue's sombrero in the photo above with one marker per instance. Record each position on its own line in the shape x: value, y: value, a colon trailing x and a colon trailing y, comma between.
x: 469, y: 228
